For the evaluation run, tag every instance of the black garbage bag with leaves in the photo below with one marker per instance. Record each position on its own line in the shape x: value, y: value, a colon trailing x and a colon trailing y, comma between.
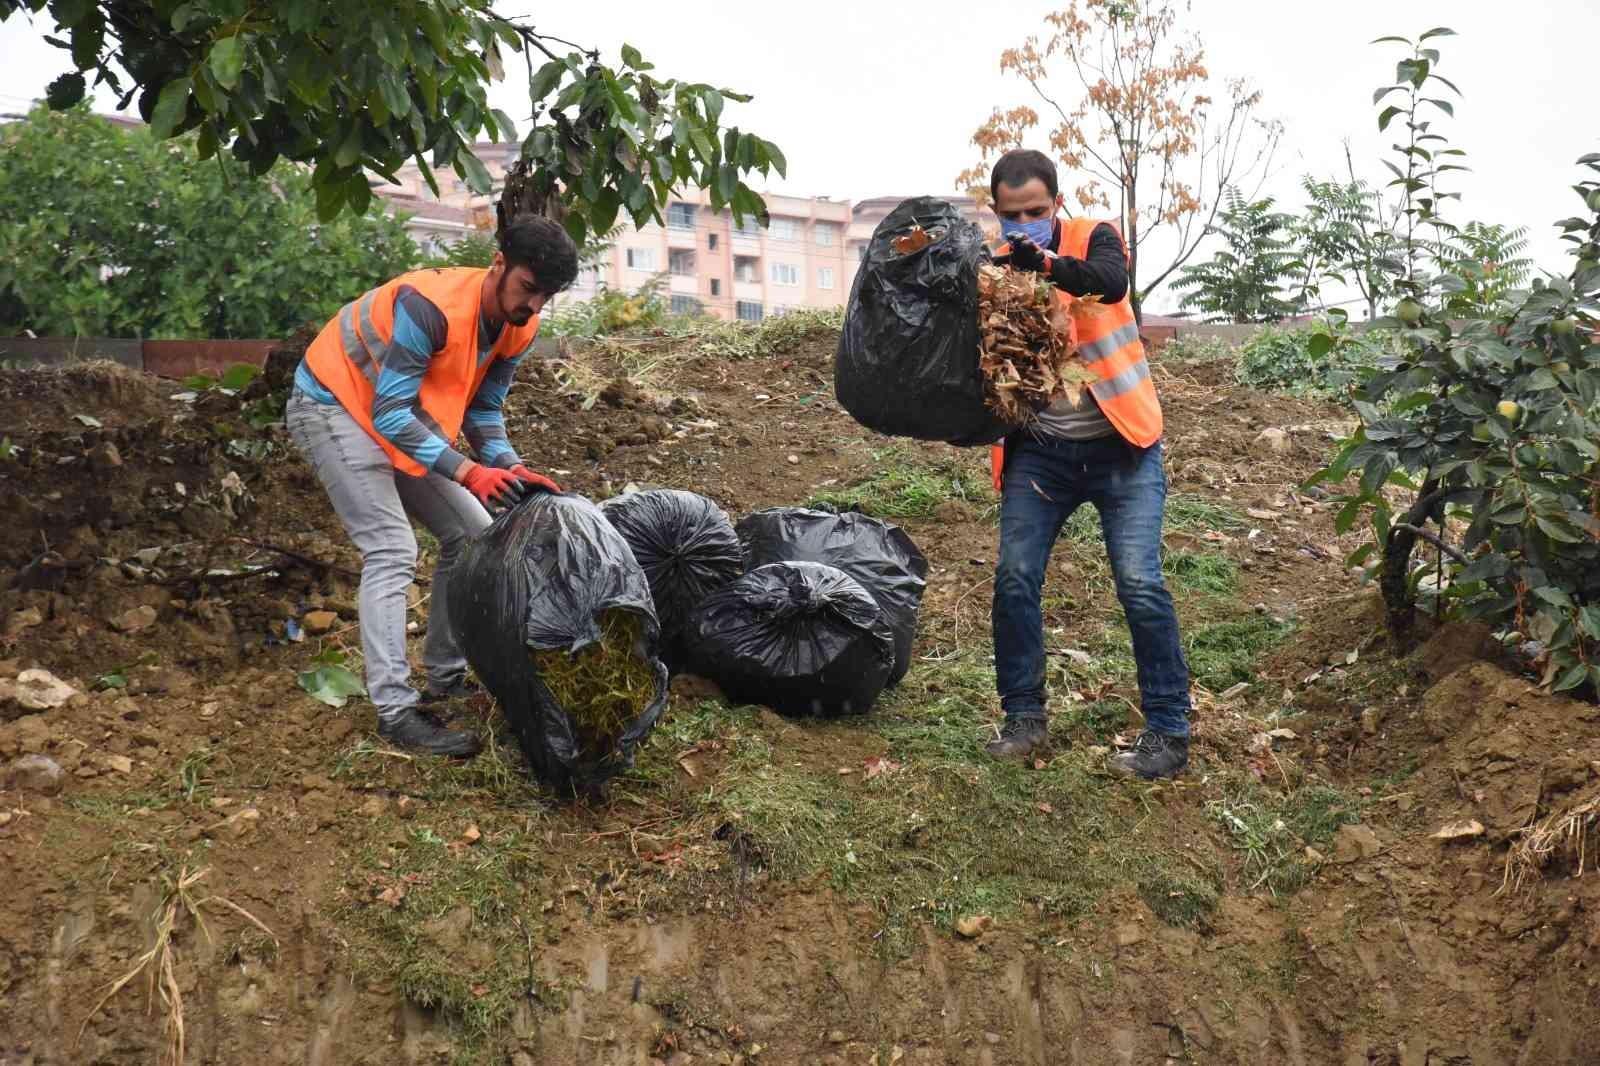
x: 688, y: 549
x: 802, y: 638
x: 907, y: 363
x: 556, y: 618
x: 879, y: 555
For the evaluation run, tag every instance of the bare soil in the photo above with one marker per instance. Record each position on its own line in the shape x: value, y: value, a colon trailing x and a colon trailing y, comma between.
x: 420, y: 912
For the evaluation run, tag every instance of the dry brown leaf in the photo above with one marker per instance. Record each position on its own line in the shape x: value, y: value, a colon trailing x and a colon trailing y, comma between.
x: 974, y: 925
x: 1024, y: 350
x: 879, y: 766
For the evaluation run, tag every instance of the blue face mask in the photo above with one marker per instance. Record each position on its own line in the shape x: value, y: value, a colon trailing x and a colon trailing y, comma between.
x: 1038, y: 232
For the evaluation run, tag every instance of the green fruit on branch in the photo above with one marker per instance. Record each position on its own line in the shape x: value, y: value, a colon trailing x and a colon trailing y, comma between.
x: 1508, y: 410
x: 1564, y: 327
x: 1409, y: 312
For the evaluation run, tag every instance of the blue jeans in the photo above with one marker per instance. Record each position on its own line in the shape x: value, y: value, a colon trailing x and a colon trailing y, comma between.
x: 1046, y: 479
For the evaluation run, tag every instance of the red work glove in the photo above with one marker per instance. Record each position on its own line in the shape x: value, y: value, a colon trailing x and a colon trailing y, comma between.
x: 536, y: 482
x: 491, y: 485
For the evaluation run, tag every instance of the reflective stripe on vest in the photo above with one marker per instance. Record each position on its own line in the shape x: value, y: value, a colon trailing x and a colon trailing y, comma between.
x: 1108, y: 342
x: 347, y: 356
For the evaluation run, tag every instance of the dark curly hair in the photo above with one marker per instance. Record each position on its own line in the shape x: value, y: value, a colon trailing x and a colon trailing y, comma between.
x: 544, y: 248
x: 1018, y: 167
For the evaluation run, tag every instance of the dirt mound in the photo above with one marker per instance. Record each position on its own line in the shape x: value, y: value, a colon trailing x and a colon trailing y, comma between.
x: 756, y: 891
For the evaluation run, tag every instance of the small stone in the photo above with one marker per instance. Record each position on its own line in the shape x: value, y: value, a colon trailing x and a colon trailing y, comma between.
x: 1128, y: 934
x: 1464, y: 830
x: 1274, y: 439
x: 315, y: 783
x: 242, y: 823
x: 1371, y: 721
x: 105, y: 458
x: 837, y: 1036
x: 147, y: 556
x: 22, y: 620
x: 1314, y: 856
x: 132, y: 621
x: 5, y: 819
x: 319, y: 622
x: 793, y: 460
x: 36, y: 690
x: 1353, y: 842
x: 35, y: 773
x: 405, y: 807
x: 992, y: 1039
x: 120, y: 763
x: 374, y: 807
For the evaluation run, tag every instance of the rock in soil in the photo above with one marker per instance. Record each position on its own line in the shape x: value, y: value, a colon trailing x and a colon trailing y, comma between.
x: 319, y: 622
x: 1354, y: 842
x: 35, y: 690
x: 35, y: 773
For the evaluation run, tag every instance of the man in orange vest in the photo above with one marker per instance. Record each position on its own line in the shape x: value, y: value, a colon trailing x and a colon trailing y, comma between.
x: 378, y: 401
x: 1105, y: 450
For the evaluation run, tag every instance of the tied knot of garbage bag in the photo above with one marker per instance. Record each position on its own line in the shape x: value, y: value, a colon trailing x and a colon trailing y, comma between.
x: 802, y: 638
x: 556, y: 617
x: 878, y: 555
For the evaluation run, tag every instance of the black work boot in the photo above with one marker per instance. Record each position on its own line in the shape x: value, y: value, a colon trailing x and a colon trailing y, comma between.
x: 1153, y: 755
x: 422, y: 731
x: 461, y: 688
x: 1020, y: 737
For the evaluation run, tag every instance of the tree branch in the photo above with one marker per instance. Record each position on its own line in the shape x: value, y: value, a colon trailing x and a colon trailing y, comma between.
x: 1436, y: 541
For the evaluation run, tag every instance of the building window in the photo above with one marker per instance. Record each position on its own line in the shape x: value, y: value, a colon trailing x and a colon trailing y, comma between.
x: 641, y: 259
x: 747, y: 310
x: 785, y: 229
x: 825, y: 277
x: 680, y: 263
x: 824, y: 233
x: 680, y: 216
x: 746, y: 271
x: 716, y: 286
x: 712, y: 238
x: 746, y: 227
x: 785, y: 274
x: 685, y: 305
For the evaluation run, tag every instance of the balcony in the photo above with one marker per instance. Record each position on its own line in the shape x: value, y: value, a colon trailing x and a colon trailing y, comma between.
x: 747, y: 290
x: 745, y: 243
x: 682, y: 237
x: 684, y: 285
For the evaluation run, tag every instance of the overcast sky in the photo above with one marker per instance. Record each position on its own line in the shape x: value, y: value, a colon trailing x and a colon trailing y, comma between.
x: 881, y: 98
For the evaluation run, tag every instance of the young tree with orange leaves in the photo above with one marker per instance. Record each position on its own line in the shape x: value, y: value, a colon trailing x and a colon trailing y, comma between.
x: 1152, y: 146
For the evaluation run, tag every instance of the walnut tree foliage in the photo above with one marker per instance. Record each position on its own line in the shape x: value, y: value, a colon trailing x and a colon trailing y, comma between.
x: 354, y: 89
x: 1249, y: 278
x: 1476, y: 458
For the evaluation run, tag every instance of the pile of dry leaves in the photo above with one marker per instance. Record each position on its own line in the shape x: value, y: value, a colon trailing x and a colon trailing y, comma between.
x: 1024, y: 346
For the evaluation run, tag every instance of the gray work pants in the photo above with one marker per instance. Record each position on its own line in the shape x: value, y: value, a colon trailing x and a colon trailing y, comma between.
x: 376, y: 503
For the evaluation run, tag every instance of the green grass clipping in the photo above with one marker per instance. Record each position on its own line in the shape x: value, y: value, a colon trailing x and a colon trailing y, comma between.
x: 605, y: 686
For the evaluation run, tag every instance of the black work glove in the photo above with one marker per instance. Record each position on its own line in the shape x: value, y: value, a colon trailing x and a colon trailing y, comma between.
x: 1025, y: 255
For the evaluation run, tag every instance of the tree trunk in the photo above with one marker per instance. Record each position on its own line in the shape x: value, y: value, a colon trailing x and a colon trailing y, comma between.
x: 1396, y: 580
x: 1134, y: 299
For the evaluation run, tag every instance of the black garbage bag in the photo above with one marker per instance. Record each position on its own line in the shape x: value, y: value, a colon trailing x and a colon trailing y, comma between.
x: 688, y: 548
x: 802, y: 638
x: 881, y: 556
x: 907, y: 363
x: 550, y: 574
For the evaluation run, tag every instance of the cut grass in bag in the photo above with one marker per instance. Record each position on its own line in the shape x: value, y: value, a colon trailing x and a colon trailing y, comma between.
x: 1024, y: 344
x: 604, y: 687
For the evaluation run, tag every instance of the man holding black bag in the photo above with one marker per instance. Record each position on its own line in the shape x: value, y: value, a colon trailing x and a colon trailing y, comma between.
x: 1106, y: 451
x: 377, y: 403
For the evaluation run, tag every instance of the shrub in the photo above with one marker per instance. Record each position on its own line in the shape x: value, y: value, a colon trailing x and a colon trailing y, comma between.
x: 1293, y: 360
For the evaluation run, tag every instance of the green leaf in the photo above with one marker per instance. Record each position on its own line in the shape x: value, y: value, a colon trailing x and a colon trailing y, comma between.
x: 545, y: 81
x: 349, y: 150
x: 713, y: 102
x: 239, y: 375
x: 1319, y: 345
x: 1346, y: 518
x: 477, y: 175
x: 333, y: 685
x: 65, y: 91
x: 631, y: 57
x: 508, y: 128
x: 1414, y: 71
x: 1560, y: 531
x: 1387, y: 115
x: 227, y: 61
x: 394, y: 94
x: 1589, y: 621
x: 1443, y: 105
x: 1574, y: 677
x: 170, y: 108
x: 1437, y: 31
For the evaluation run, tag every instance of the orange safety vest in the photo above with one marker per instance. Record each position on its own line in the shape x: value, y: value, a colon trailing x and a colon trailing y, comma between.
x: 1107, y: 336
x: 345, y: 356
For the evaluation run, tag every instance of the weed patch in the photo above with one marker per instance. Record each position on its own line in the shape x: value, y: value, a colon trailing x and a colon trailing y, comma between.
x: 909, y: 486
x: 1223, y: 654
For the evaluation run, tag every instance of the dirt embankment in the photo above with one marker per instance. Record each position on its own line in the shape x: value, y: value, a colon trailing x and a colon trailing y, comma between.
x: 759, y: 892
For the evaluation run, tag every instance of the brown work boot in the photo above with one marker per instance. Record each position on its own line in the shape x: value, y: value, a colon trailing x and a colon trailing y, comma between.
x: 1021, y: 737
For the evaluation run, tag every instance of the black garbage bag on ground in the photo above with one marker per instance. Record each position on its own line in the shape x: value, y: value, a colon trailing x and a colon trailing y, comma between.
x: 688, y: 549
x: 881, y: 556
x: 802, y: 638
x: 907, y: 363
x: 551, y: 577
